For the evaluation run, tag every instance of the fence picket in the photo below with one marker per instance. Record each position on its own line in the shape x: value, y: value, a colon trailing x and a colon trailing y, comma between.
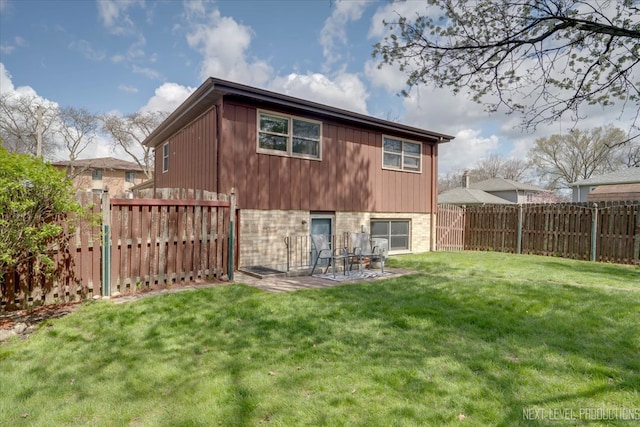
x: 550, y: 229
x: 153, y: 242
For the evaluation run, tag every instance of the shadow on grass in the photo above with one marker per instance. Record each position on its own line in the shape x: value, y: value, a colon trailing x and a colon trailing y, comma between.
x: 425, y: 342
x: 577, y: 332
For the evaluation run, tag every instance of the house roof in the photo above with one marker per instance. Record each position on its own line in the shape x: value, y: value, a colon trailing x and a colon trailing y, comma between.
x: 617, y: 189
x: 624, y: 176
x: 101, y: 163
x: 470, y: 196
x: 501, y: 184
x: 213, y: 89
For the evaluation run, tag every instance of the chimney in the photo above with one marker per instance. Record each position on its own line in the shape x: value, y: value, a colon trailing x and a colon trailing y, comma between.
x: 465, y: 179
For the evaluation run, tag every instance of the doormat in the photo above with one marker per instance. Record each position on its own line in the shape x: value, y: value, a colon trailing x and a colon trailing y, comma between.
x: 261, y: 270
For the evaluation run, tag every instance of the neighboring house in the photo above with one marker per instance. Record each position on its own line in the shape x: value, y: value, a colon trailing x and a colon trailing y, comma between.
x: 620, y: 185
x: 298, y: 167
x: 468, y: 197
x: 497, y: 191
x: 515, y: 192
x: 94, y: 174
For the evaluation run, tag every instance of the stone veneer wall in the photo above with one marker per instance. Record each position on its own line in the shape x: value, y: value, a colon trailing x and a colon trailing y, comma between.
x: 262, y: 232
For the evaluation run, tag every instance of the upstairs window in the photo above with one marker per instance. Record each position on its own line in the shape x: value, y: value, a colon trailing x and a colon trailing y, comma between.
x: 401, y: 155
x: 96, y: 174
x: 130, y: 176
x: 165, y: 157
x: 289, y: 136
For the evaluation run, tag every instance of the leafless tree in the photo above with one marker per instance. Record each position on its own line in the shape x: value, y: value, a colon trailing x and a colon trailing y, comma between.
x: 563, y: 159
x: 19, y: 124
x: 77, y: 130
x: 128, y: 132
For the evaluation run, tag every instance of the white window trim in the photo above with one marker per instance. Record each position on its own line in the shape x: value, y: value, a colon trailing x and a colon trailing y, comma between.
x: 401, y: 168
x: 409, y: 236
x: 165, y: 157
x: 289, y: 152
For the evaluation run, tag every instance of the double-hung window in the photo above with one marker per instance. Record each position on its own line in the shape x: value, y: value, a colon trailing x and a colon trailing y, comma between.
x: 397, y: 233
x: 96, y: 174
x: 130, y: 177
x: 401, y: 155
x: 289, y: 136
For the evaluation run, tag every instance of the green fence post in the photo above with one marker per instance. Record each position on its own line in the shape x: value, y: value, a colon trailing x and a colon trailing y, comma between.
x: 106, y: 243
x: 594, y: 232
x: 519, y: 238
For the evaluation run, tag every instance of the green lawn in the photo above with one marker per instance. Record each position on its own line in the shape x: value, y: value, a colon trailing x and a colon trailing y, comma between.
x: 474, y: 339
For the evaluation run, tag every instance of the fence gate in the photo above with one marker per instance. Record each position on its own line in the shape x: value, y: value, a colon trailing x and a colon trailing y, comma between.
x: 450, y: 228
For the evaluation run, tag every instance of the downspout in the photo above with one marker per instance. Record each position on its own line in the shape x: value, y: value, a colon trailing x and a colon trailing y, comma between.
x: 434, y: 195
x: 218, y: 138
x: 232, y: 197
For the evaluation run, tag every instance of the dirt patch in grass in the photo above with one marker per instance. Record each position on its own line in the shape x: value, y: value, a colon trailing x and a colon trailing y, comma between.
x: 23, y: 322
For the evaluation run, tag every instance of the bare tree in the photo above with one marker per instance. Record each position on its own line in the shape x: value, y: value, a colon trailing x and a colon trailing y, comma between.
x: 19, y: 117
x: 77, y: 130
x: 515, y: 169
x: 450, y: 181
x: 494, y: 166
x: 536, y: 58
x: 128, y: 132
x: 487, y: 168
x: 563, y: 159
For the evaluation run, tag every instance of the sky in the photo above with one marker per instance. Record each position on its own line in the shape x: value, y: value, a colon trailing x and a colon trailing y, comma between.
x: 125, y: 56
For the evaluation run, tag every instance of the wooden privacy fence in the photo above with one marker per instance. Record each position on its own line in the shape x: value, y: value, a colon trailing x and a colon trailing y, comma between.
x: 178, y: 236
x: 608, y: 233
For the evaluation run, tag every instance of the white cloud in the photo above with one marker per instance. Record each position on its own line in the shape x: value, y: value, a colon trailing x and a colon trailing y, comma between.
x: 113, y: 14
x: 86, y: 50
x: 344, y: 91
x: 334, y: 30
x: 167, y: 97
x: 465, y: 151
x: 223, y: 43
x: 390, y: 13
x: 387, y: 77
x: 8, y: 48
x: 6, y: 85
x: 145, y: 71
x: 127, y: 88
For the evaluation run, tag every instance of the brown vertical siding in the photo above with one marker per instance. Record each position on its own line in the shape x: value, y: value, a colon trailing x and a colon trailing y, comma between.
x: 349, y: 177
x: 191, y: 156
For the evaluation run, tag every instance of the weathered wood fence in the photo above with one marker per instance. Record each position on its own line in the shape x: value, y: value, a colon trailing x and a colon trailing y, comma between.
x: 607, y: 233
x: 176, y: 236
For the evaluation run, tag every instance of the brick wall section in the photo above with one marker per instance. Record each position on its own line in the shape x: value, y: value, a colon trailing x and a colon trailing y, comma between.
x: 262, y: 232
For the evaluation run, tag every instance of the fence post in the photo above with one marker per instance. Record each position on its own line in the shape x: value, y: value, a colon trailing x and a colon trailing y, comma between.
x: 519, y: 235
x: 106, y: 243
x: 636, y: 238
x: 232, y: 216
x: 594, y: 232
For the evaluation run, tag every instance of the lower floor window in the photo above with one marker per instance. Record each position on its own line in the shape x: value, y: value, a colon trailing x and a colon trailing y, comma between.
x: 396, y: 232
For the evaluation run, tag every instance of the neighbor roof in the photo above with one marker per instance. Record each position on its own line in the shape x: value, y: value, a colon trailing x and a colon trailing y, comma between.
x: 212, y: 91
x: 470, y: 196
x: 501, y: 184
x: 625, y: 176
x: 101, y: 163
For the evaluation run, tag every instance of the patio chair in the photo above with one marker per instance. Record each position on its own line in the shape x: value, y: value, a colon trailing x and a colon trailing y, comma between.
x: 324, y: 252
x: 362, y: 248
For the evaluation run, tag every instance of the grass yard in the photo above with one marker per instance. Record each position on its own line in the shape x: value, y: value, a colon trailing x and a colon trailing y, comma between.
x: 473, y: 339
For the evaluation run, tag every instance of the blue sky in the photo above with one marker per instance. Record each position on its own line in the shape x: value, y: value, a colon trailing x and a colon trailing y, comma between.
x: 135, y: 55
